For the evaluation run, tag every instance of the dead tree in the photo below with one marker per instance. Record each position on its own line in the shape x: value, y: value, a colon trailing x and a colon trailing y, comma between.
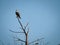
x: 24, y: 30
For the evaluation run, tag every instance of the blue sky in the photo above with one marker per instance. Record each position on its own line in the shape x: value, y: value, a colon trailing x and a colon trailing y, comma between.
x: 43, y: 17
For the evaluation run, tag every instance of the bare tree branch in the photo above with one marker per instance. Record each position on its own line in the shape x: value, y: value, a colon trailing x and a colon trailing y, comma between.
x: 19, y: 39
x: 36, y: 40
x: 21, y: 26
x: 15, y: 32
x: 26, y: 25
x: 28, y: 31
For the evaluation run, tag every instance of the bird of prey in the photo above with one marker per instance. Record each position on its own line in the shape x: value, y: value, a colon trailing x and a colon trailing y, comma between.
x: 17, y: 14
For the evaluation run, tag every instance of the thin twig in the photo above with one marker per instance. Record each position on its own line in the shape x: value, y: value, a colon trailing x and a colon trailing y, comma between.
x: 36, y: 40
x: 18, y: 39
x: 26, y: 25
x: 28, y: 31
x: 15, y: 32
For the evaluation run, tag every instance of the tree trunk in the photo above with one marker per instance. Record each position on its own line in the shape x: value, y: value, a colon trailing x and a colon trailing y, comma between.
x: 26, y: 43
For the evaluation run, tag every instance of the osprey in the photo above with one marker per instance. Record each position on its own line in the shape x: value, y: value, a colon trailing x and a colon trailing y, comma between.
x: 17, y: 14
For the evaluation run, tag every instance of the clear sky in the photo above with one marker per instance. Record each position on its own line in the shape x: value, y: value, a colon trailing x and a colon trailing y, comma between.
x: 43, y: 17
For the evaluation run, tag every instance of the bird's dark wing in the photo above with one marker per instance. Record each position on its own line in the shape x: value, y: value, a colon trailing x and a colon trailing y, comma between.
x: 17, y: 14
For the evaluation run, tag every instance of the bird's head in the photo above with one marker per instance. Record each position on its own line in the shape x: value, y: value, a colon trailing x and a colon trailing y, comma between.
x: 16, y: 10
